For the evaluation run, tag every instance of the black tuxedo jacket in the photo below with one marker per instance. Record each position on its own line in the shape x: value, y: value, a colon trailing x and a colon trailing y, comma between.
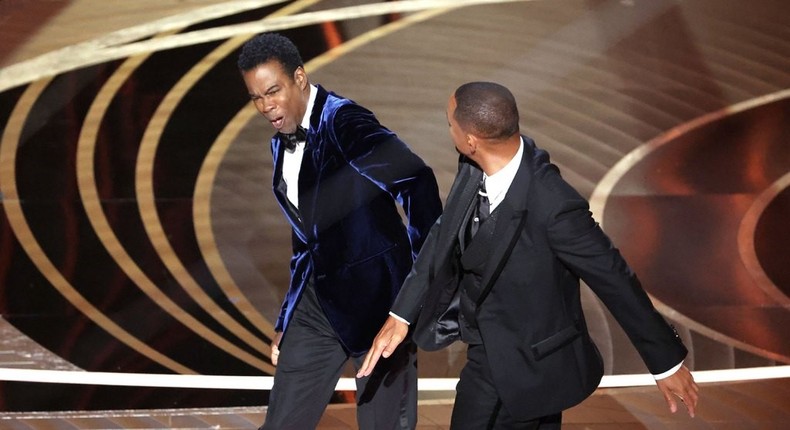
x: 347, y: 235
x: 530, y: 315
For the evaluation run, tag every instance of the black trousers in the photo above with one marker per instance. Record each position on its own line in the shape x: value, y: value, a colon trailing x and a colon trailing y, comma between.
x: 477, y: 404
x: 311, y: 362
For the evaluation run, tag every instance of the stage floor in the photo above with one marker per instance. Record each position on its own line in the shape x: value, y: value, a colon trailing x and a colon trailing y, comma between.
x: 758, y: 405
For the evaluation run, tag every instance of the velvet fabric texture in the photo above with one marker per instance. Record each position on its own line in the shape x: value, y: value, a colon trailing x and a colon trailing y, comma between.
x: 348, y: 236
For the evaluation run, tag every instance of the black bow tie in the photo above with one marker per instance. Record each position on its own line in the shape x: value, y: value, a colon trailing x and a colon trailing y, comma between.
x: 291, y: 139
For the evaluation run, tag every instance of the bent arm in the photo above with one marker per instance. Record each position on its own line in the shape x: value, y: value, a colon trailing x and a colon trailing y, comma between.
x: 379, y: 155
x: 578, y: 241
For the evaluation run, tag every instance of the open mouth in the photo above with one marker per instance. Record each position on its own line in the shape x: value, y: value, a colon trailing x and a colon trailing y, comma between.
x: 277, y: 122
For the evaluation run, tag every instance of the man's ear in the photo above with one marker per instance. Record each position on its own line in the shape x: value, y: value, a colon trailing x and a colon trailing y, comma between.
x: 472, y: 142
x: 300, y: 77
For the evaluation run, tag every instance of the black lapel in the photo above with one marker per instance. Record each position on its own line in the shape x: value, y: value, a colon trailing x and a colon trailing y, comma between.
x: 459, y: 203
x: 510, y: 222
x: 280, y: 190
x: 297, y: 217
x: 309, y: 184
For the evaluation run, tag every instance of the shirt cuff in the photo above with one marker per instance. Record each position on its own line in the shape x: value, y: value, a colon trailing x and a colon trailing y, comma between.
x: 399, y: 318
x: 668, y: 373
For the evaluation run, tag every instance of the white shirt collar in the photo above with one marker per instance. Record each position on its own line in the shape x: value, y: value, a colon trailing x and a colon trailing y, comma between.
x: 310, y: 102
x: 498, y: 183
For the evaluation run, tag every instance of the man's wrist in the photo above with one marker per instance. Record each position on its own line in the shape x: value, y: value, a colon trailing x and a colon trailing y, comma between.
x: 668, y: 373
x: 399, y: 318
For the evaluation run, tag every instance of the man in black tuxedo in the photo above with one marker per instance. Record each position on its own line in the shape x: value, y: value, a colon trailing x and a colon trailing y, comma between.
x: 338, y: 174
x: 500, y: 271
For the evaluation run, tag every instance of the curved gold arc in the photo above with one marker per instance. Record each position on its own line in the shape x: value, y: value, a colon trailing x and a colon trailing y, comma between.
x: 205, y: 234
x: 746, y: 234
x: 18, y: 223
x: 82, y: 54
x: 613, y: 176
x: 208, y: 171
x: 92, y: 203
x: 92, y: 53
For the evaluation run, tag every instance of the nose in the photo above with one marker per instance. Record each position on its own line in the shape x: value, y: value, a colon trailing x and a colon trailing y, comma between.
x: 262, y: 106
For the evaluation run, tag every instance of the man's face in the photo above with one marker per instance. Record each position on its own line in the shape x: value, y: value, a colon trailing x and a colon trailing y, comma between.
x: 280, y: 98
x: 458, y: 136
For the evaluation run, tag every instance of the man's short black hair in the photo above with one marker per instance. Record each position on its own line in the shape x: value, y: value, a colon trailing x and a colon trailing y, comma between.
x: 486, y: 109
x: 266, y: 47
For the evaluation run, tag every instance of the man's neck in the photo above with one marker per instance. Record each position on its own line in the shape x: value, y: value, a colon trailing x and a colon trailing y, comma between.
x: 498, y: 153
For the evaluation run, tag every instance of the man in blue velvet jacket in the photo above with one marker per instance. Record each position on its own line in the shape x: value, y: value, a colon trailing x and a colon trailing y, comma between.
x: 338, y: 174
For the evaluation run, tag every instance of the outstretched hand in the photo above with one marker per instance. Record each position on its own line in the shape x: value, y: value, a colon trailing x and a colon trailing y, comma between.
x: 390, y: 336
x: 681, y: 385
x: 276, y: 347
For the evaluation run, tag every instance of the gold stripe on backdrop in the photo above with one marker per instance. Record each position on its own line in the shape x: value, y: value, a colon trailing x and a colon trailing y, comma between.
x: 18, y: 223
x: 97, y: 218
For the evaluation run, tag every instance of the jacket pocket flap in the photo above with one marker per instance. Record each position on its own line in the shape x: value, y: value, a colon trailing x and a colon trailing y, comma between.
x: 556, y: 341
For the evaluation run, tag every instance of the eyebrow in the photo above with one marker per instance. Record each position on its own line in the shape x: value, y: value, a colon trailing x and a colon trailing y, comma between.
x: 268, y: 91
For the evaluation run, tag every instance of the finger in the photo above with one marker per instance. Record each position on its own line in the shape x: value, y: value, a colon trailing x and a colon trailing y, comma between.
x: 372, y: 357
x: 391, y: 346
x: 690, y: 395
x: 275, y: 354
x: 369, y: 364
x: 673, y: 405
x: 691, y: 407
x: 669, y: 395
x: 686, y: 403
x: 690, y: 400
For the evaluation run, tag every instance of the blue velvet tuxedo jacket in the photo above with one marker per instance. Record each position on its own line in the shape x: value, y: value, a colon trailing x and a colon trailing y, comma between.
x: 347, y: 234
x: 531, y: 322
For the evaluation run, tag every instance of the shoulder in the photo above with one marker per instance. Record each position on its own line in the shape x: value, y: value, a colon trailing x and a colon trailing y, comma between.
x: 346, y: 110
x: 349, y: 119
x: 538, y: 162
x: 333, y: 102
x: 548, y: 189
x: 342, y: 113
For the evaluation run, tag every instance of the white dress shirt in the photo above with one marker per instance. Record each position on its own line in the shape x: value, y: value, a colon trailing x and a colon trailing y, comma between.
x: 292, y: 160
x: 498, y: 183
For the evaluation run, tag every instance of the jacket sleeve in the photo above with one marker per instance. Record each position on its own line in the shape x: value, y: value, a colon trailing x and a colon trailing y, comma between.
x: 379, y: 155
x: 578, y: 241
x: 409, y: 301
